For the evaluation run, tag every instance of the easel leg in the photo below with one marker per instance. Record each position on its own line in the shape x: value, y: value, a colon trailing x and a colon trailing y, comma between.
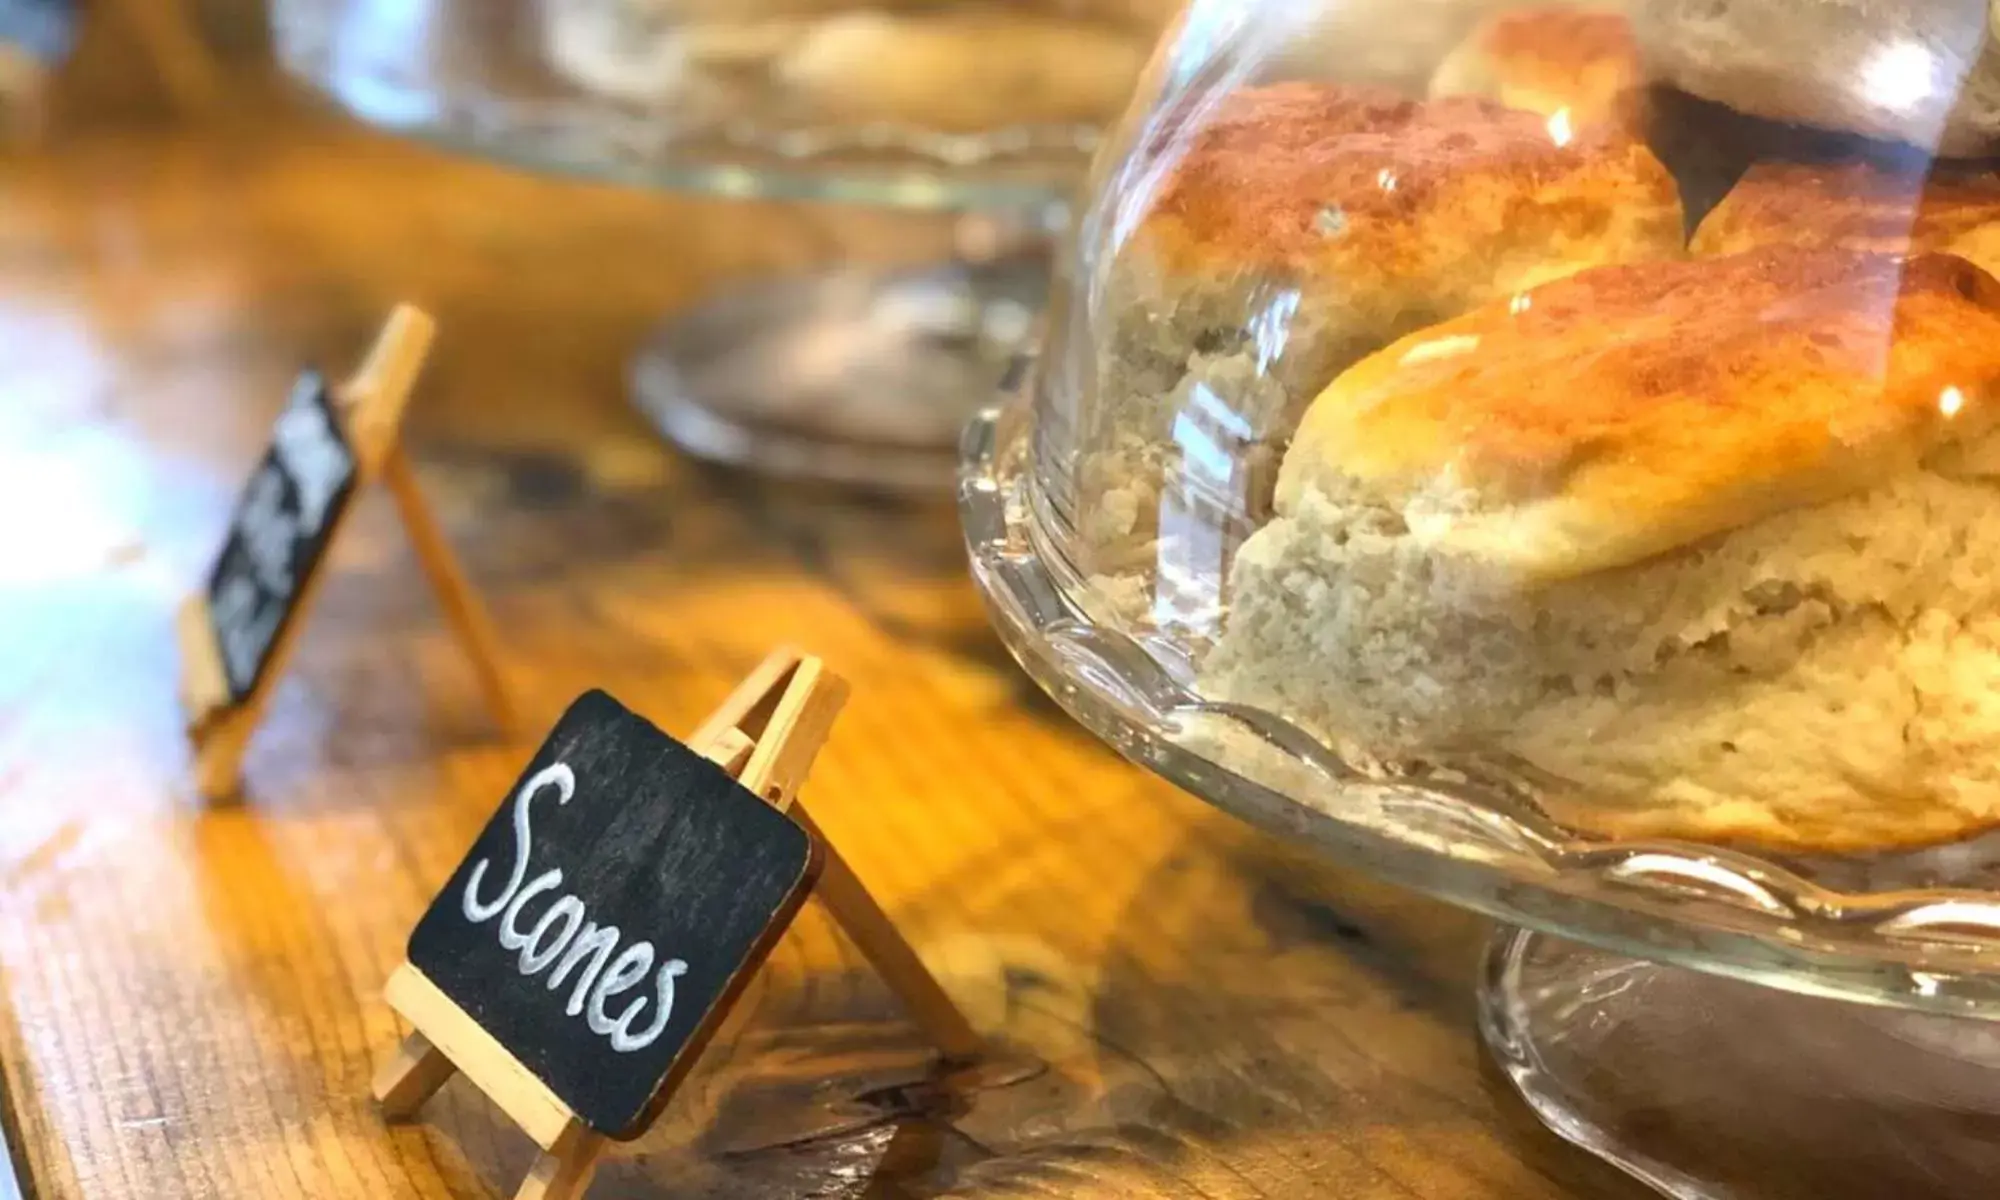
x: 883, y: 946
x: 412, y: 1077
x: 24, y: 86
x: 218, y: 757
x: 462, y: 609
x: 563, y: 1173
x: 186, y: 70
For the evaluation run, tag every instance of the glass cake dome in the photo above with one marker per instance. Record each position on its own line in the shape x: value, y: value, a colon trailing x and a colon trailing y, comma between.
x: 1563, y: 409
x: 1546, y: 454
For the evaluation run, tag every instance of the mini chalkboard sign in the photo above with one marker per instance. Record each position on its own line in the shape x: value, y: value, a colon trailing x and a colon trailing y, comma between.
x: 279, y: 532
x: 610, y: 903
x: 326, y: 445
x: 594, y: 936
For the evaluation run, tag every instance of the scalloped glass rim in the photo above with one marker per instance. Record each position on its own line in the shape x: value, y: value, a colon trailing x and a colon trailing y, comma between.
x: 1462, y: 840
x: 398, y: 83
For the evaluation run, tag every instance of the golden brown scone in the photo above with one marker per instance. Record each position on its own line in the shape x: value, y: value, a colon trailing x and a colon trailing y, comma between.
x: 1349, y: 190
x: 1304, y: 226
x: 1550, y: 59
x: 1859, y: 206
x: 1626, y: 411
x: 1712, y: 545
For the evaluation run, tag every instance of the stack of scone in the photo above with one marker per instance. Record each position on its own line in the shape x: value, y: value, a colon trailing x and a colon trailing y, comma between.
x: 1501, y: 466
x: 1701, y: 540
x: 1304, y: 226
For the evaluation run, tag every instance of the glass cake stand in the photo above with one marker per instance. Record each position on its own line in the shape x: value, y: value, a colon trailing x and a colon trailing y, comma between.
x: 1717, y: 1024
x: 851, y: 376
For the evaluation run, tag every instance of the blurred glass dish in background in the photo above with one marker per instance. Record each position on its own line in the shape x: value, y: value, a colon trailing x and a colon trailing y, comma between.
x: 1557, y: 474
x: 989, y: 111
x: 981, y: 113
x: 802, y: 71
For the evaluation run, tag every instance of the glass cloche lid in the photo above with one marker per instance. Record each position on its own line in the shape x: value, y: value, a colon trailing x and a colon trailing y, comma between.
x: 1597, y: 402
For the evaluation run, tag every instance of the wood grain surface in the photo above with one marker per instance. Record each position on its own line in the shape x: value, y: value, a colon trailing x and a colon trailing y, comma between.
x: 192, y: 991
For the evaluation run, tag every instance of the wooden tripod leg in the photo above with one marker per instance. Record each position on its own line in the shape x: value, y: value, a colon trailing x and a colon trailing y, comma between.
x: 186, y: 69
x: 218, y: 732
x: 564, y: 1172
x: 412, y: 1077
x: 462, y: 608
x: 883, y: 945
x: 218, y: 755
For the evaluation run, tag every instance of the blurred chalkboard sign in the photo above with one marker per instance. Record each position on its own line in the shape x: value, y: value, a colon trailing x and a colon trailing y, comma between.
x: 577, y: 960
x: 609, y: 909
x: 236, y: 630
x: 44, y: 29
x: 279, y: 533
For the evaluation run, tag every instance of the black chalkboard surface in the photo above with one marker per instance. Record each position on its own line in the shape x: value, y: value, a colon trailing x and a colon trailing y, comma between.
x: 279, y: 532
x: 609, y: 909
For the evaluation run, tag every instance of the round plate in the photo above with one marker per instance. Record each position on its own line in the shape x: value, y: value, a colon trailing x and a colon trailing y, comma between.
x: 854, y: 378
x: 1709, y: 1089
x: 473, y: 75
x: 1914, y: 930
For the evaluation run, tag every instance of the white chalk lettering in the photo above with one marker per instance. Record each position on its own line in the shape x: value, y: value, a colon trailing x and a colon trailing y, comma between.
x: 557, y: 775
x: 594, y: 941
x: 511, y: 936
x: 245, y: 628
x: 532, y: 960
x: 565, y: 937
x: 268, y: 531
x: 627, y: 969
x: 623, y: 1039
x: 311, y: 451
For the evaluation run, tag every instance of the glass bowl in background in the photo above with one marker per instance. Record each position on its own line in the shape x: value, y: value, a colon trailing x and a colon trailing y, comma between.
x: 983, y: 113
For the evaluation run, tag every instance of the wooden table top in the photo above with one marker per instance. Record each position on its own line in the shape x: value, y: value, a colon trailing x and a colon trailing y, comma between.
x: 192, y: 990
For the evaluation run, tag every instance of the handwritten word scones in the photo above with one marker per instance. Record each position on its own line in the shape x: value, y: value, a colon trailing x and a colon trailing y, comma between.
x: 1304, y: 226
x: 1713, y: 543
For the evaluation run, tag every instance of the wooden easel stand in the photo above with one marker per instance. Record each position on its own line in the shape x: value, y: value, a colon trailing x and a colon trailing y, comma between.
x: 766, y: 735
x: 372, y: 403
